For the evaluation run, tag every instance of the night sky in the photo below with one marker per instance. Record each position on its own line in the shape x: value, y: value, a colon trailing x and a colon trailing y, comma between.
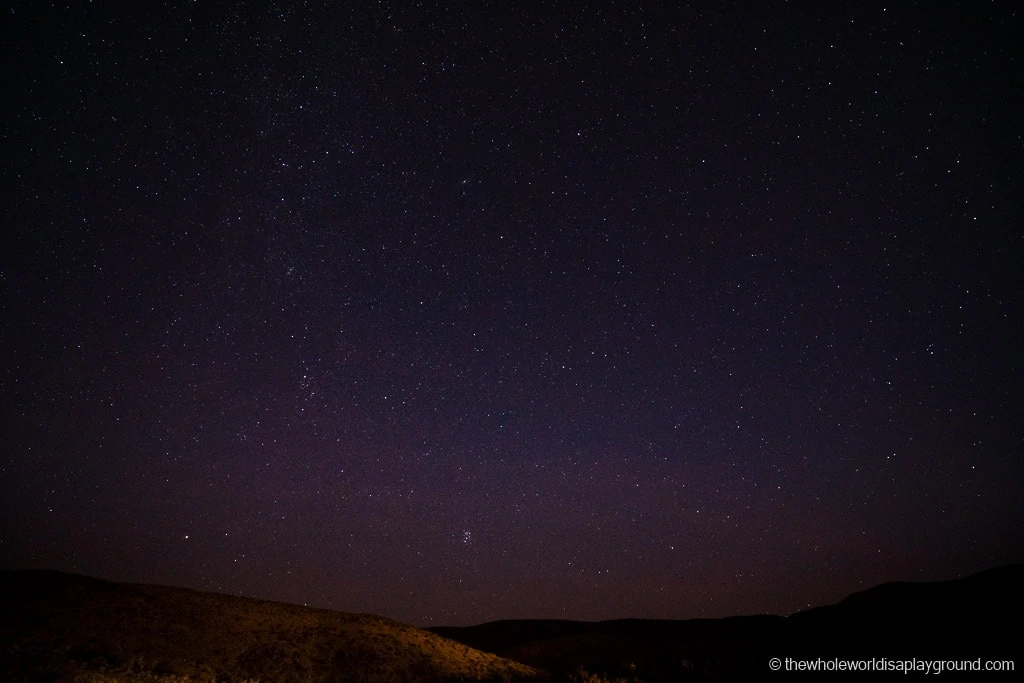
x: 507, y: 310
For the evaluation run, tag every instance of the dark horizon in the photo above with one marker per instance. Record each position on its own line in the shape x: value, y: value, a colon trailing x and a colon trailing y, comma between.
x: 974, y: 591
x: 461, y: 314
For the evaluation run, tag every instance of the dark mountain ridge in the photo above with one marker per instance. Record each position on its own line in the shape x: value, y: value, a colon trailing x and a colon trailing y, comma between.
x: 975, y: 616
x: 56, y: 626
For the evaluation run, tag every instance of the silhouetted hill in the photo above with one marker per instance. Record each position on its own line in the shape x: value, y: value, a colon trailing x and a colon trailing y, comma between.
x: 967, y: 594
x: 964, y: 617
x: 976, y: 616
x: 57, y: 627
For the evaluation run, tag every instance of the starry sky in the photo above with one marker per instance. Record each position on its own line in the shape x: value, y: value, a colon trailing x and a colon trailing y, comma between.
x: 460, y: 312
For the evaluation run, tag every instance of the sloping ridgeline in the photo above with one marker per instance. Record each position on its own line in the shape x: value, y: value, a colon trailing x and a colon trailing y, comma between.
x: 57, y: 627
x: 978, y: 616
